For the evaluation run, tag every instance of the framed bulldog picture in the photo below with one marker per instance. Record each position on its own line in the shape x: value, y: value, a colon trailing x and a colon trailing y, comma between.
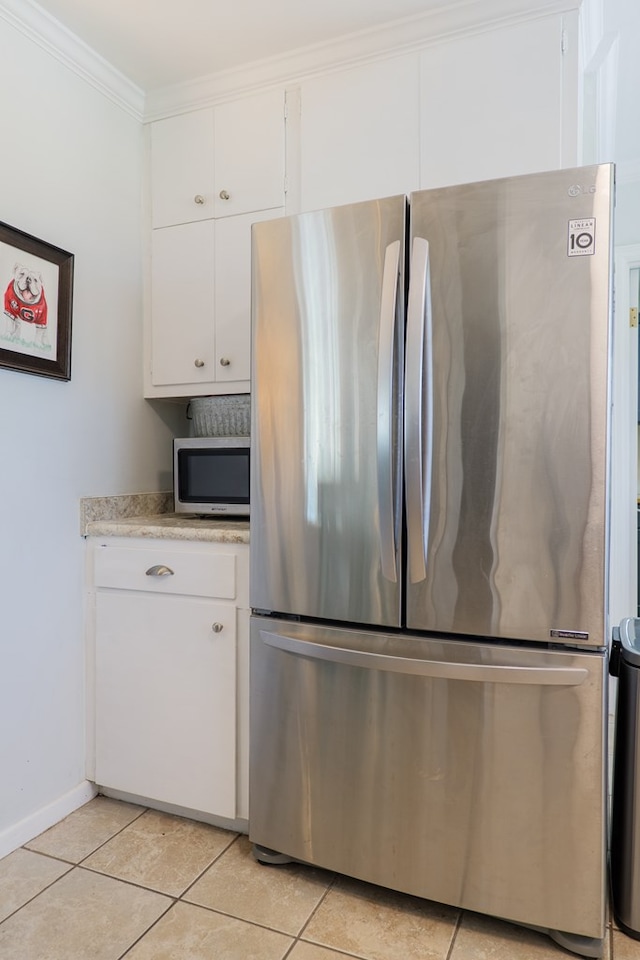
x: 36, y: 280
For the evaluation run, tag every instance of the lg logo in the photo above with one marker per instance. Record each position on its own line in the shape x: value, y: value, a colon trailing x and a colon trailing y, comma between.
x: 575, y: 190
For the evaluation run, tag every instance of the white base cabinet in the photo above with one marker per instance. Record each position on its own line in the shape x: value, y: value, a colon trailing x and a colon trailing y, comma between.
x: 171, y: 665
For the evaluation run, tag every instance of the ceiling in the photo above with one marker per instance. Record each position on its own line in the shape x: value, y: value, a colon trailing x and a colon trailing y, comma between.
x: 157, y: 43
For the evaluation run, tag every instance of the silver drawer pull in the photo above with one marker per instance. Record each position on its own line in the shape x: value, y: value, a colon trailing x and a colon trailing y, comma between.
x: 199, y: 199
x: 217, y: 627
x: 159, y: 570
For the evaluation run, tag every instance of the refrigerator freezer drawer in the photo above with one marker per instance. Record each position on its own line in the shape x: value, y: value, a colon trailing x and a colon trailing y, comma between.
x: 467, y: 773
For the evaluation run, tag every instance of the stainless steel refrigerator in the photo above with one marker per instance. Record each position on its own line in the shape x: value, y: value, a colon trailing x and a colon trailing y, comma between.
x: 429, y: 545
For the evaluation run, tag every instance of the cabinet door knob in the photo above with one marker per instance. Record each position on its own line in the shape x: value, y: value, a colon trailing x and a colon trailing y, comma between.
x: 224, y: 195
x: 159, y: 570
x: 199, y: 199
x: 198, y: 363
x: 224, y: 361
x: 217, y: 627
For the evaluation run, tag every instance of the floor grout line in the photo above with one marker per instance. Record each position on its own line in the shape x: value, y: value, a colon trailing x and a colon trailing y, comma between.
x: 148, y: 930
x: 208, y: 867
x: 129, y: 883
x: 330, y: 886
x: 173, y: 900
x: 113, y: 836
x: 455, y: 934
x: 36, y: 895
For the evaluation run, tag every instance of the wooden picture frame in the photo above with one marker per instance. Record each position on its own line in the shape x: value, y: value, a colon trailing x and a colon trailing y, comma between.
x: 37, y: 290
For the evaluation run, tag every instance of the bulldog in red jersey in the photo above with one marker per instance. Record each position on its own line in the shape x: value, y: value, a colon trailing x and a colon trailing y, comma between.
x: 25, y: 302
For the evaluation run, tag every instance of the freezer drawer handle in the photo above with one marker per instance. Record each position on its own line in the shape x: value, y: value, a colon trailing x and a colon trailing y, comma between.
x: 386, y: 384
x: 418, y: 439
x: 444, y: 670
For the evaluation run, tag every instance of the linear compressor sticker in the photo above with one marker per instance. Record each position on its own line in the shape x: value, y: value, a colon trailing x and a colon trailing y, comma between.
x: 581, y: 241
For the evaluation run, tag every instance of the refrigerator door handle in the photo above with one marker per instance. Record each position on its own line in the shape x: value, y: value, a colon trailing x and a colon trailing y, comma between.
x: 386, y: 381
x: 418, y: 445
x: 443, y: 670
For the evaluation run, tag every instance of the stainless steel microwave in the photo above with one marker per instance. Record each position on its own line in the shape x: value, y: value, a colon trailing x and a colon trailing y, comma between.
x: 211, y: 475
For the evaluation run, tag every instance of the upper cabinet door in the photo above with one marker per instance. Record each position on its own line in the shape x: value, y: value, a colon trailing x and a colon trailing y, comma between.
x: 182, y: 182
x: 219, y: 162
x: 182, y: 305
x: 232, y: 283
x: 359, y: 133
x: 249, y: 154
x: 499, y: 103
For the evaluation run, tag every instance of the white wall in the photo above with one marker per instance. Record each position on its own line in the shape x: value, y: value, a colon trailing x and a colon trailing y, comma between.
x: 622, y: 21
x: 71, y: 174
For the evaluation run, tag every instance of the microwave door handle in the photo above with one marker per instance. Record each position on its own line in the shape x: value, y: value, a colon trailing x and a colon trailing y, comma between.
x: 418, y: 441
x: 385, y: 411
x: 438, y: 669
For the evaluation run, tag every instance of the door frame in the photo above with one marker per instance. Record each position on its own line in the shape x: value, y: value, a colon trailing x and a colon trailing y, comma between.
x: 623, y: 590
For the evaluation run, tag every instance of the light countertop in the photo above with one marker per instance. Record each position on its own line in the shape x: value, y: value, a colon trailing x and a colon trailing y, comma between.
x: 171, y: 526
x: 150, y: 515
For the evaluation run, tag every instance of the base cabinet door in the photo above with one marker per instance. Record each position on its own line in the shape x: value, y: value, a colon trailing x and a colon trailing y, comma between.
x: 166, y: 699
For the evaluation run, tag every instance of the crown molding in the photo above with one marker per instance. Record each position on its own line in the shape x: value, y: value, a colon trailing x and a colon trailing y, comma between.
x: 396, y: 37
x: 52, y: 37
x: 392, y: 38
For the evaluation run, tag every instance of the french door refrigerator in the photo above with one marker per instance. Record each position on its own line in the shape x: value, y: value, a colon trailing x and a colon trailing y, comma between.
x: 429, y: 545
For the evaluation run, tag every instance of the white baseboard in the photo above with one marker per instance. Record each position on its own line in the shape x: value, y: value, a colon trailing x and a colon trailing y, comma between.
x: 25, y: 830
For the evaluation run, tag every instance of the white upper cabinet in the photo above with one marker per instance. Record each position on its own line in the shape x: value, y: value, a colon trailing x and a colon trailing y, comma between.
x: 218, y: 162
x: 183, y: 331
x: 359, y: 133
x: 213, y: 173
x: 500, y: 103
x: 496, y: 101
x: 201, y: 305
x: 182, y: 165
x: 233, y: 295
x: 249, y: 154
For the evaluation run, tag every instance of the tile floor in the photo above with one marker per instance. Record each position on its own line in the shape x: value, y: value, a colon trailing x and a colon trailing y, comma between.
x: 114, y: 880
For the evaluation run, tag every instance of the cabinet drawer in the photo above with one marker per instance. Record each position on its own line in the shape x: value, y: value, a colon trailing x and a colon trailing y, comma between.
x: 170, y: 571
